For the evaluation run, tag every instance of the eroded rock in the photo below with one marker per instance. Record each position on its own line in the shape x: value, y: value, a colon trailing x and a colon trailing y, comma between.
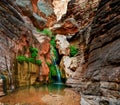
x: 69, y: 26
x: 68, y: 65
x: 62, y: 45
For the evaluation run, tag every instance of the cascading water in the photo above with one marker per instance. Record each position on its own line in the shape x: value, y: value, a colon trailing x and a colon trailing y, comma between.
x: 55, y: 64
x: 58, y: 71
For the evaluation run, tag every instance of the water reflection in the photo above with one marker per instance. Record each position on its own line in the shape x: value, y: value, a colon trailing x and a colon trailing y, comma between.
x: 52, y: 94
x: 32, y: 94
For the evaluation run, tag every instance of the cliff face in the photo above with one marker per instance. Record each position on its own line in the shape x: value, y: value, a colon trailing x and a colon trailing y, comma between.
x: 82, y: 11
x: 13, y: 31
x: 79, y: 14
x: 99, y: 75
x: 17, y: 35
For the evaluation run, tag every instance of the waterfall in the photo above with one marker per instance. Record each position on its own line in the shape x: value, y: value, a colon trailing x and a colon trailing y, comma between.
x: 57, y: 70
x: 55, y: 64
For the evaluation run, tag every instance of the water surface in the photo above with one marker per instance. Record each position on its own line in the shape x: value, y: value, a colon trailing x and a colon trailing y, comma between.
x: 53, y: 94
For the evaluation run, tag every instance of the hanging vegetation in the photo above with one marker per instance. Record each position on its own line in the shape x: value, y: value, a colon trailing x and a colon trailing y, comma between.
x: 21, y: 59
x: 32, y: 59
x: 52, y: 42
x: 38, y: 62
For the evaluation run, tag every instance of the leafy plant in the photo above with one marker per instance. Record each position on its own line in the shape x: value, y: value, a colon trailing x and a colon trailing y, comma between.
x: 21, y: 59
x: 53, y: 71
x: 52, y: 42
x: 38, y: 62
x: 34, y: 52
x: 33, y: 49
x: 46, y: 31
x: 73, y: 51
x: 32, y: 60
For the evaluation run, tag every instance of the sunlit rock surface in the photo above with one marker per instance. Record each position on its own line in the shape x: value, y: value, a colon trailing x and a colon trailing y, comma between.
x: 69, y: 65
x: 68, y: 27
x: 62, y: 45
x: 60, y: 7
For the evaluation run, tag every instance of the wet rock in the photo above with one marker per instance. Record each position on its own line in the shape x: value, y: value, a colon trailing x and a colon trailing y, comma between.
x: 1, y: 87
x: 69, y: 98
x: 62, y: 45
x: 27, y: 74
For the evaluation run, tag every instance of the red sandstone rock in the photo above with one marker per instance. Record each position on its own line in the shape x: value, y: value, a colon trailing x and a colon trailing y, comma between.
x: 44, y: 56
x: 68, y: 27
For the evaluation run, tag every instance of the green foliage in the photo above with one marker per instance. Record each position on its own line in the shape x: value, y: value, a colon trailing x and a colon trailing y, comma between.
x: 32, y: 60
x: 38, y: 30
x: 52, y: 42
x: 46, y: 31
x: 48, y: 63
x: 53, y: 71
x: 33, y: 49
x: 21, y: 59
x: 38, y: 62
x: 73, y: 51
x: 34, y: 52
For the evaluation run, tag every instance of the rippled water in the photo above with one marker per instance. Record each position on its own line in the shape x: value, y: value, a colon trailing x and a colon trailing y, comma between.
x: 53, y: 94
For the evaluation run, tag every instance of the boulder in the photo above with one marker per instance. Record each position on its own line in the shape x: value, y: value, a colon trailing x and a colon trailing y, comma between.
x: 62, y: 45
x: 68, y: 65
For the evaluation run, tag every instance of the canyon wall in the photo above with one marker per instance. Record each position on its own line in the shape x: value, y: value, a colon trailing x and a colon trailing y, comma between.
x: 17, y: 35
x: 98, y: 76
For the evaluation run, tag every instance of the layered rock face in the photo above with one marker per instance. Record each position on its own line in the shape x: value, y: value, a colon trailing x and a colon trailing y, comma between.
x: 99, y: 76
x: 17, y: 34
x: 82, y: 11
x: 40, y: 12
x: 13, y: 34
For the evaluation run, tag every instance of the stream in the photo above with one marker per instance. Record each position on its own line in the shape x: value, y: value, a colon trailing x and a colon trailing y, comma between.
x: 52, y: 94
